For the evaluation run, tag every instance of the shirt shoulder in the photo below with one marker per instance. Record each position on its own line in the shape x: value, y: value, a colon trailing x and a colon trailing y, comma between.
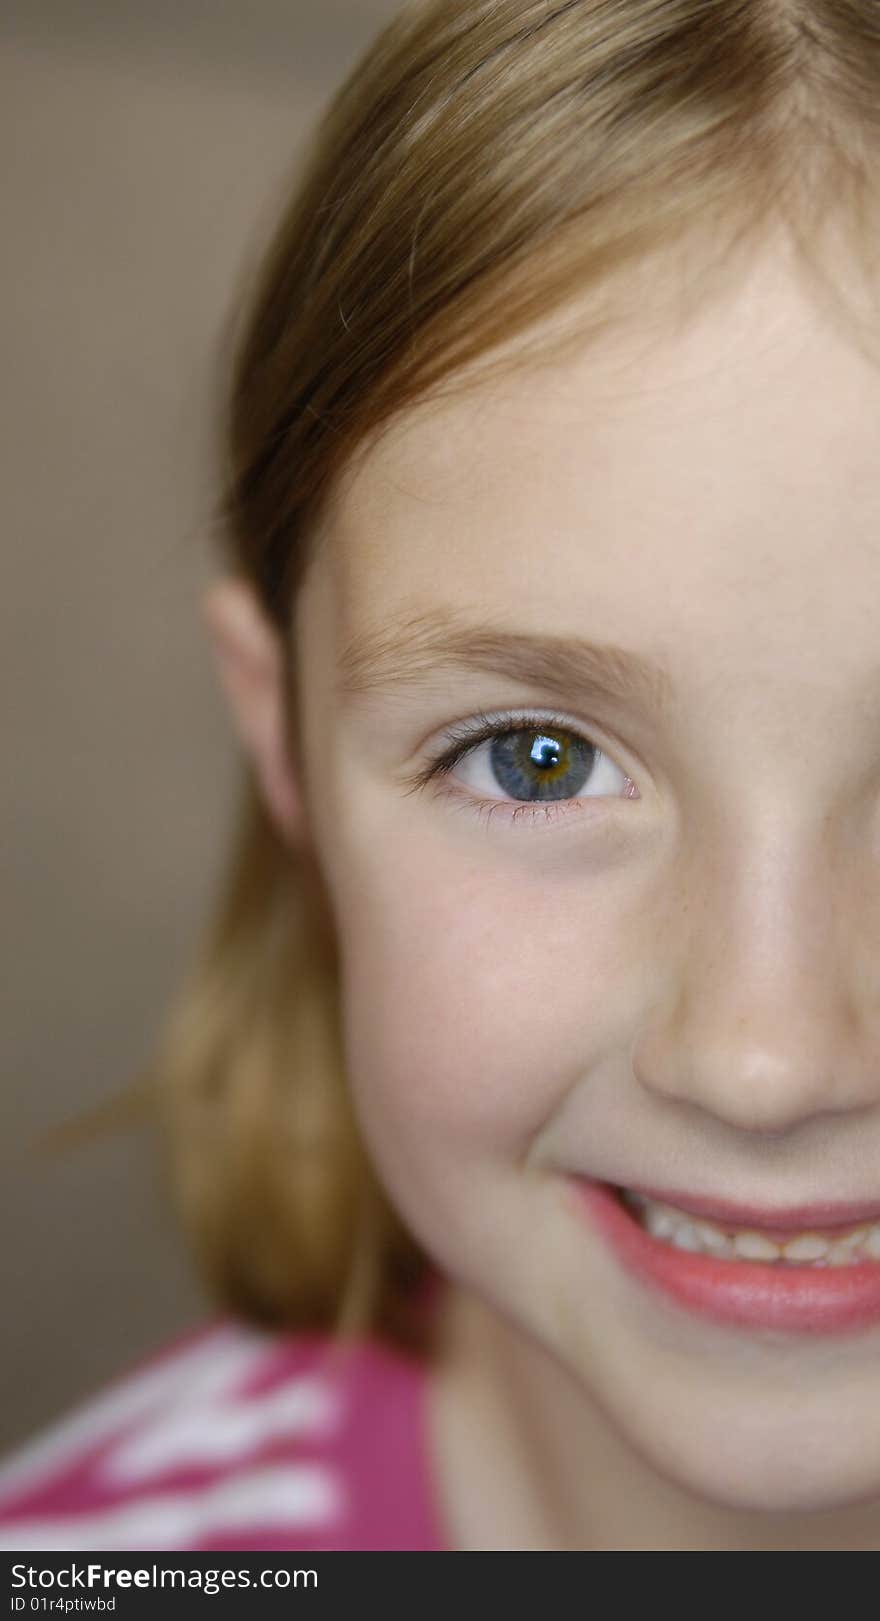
x: 233, y: 1438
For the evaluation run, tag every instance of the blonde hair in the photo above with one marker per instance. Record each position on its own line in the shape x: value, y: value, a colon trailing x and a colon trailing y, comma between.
x: 487, y: 161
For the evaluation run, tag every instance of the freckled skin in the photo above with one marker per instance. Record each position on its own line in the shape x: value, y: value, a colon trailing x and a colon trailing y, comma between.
x: 681, y: 989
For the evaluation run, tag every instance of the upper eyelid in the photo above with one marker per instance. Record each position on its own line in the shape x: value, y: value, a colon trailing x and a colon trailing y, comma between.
x: 480, y: 728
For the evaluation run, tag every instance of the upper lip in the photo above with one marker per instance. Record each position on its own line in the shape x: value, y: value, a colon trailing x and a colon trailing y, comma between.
x: 827, y: 1213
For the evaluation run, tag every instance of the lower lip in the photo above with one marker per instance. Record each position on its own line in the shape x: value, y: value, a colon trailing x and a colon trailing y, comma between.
x: 795, y: 1299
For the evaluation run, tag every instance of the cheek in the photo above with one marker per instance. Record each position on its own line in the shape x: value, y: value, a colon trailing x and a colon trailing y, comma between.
x: 473, y: 1001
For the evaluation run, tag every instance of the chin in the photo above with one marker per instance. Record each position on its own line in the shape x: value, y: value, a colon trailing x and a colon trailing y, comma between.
x: 768, y: 1470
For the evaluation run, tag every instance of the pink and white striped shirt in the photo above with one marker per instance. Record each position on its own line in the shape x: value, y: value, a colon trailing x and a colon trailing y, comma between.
x: 231, y: 1438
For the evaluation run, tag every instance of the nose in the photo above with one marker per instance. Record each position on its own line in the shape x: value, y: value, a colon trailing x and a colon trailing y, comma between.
x: 768, y: 1015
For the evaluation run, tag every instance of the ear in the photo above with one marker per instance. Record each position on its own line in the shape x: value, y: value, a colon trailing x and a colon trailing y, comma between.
x: 250, y: 662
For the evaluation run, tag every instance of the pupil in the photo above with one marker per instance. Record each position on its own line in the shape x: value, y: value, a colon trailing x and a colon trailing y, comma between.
x: 546, y: 752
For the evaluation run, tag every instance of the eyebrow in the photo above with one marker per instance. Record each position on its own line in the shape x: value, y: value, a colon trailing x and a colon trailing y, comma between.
x: 434, y: 644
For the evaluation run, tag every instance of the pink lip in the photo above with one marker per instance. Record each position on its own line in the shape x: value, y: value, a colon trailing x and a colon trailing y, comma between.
x: 794, y: 1299
x: 788, y: 1220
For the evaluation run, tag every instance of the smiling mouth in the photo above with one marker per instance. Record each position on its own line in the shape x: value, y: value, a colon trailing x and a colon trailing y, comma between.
x: 749, y: 1279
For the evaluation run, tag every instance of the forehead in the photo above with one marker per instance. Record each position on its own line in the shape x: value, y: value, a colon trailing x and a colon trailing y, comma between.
x: 688, y: 470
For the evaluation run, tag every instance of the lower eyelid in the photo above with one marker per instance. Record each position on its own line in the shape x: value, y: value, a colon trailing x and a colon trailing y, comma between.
x: 516, y: 813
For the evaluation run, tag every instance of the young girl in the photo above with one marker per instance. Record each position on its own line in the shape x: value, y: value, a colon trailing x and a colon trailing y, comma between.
x: 531, y: 1075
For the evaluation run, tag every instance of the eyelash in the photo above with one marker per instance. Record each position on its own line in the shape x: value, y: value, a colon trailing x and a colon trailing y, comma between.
x: 467, y: 737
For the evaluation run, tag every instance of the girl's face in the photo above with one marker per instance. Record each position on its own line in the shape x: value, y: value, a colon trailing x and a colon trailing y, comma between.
x: 664, y: 970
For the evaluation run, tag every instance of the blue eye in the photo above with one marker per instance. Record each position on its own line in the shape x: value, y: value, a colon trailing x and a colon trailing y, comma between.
x: 543, y: 765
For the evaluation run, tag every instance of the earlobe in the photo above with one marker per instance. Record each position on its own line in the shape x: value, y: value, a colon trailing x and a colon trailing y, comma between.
x: 250, y: 663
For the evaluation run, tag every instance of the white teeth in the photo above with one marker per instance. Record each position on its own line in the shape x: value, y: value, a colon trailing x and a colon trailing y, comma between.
x: 806, y: 1248
x: 755, y: 1247
x: 684, y: 1237
x: 712, y: 1240
x: 840, y: 1256
x: 703, y: 1237
x: 660, y: 1221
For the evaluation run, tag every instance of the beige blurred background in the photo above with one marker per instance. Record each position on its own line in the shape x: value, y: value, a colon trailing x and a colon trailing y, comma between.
x: 146, y: 146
